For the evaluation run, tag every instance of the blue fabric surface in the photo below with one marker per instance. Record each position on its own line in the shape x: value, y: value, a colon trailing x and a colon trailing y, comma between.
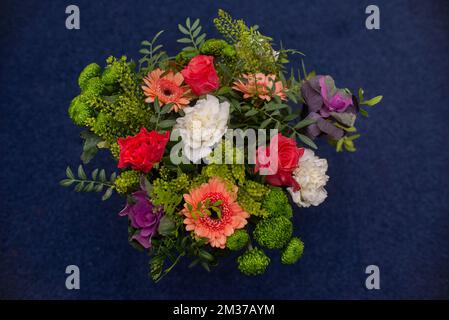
x: 388, y: 203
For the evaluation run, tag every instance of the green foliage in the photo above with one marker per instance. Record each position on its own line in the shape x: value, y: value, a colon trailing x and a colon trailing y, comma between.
x: 90, y: 71
x: 90, y: 148
x: 230, y: 28
x: 293, y: 251
x: 96, y: 183
x: 127, y: 181
x: 274, y: 232
x: 346, y: 141
x: 370, y: 102
x: 153, y: 56
x: 168, y: 193
x: 276, y: 203
x: 167, y: 251
x: 193, y: 37
x: 253, y: 262
x: 237, y: 240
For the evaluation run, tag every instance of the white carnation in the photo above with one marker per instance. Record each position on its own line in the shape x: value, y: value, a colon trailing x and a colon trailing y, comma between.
x: 202, y: 127
x: 311, y: 176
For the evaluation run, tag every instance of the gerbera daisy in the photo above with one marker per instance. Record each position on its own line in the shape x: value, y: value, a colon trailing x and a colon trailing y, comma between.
x: 260, y: 85
x: 167, y: 88
x: 214, y: 227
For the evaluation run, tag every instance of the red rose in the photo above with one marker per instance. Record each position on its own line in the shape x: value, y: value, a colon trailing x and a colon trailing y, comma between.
x: 200, y: 75
x: 279, y: 168
x: 143, y: 150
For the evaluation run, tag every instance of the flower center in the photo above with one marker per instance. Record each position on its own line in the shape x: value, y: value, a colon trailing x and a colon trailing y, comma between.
x: 214, y: 221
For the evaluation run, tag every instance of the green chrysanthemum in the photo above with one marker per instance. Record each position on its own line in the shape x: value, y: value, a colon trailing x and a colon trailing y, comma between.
x: 277, y: 204
x: 79, y: 112
x: 293, y: 251
x: 237, y: 240
x: 253, y: 262
x: 213, y: 47
x: 90, y: 71
x: 273, y: 233
x: 94, y: 87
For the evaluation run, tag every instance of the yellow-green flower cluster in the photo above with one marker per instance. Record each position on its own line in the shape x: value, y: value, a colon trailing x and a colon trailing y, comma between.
x: 127, y: 181
x: 111, y: 103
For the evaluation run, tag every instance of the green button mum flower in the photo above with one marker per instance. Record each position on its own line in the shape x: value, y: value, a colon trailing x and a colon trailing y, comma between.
x: 276, y: 203
x: 90, y: 71
x: 237, y: 240
x: 273, y: 233
x: 293, y: 251
x: 253, y: 262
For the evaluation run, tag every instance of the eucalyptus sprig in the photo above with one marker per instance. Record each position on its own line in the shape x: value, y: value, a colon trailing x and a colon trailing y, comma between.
x: 96, y: 183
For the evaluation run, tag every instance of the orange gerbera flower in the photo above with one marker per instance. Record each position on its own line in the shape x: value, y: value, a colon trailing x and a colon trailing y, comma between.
x: 167, y: 88
x: 260, y: 85
x: 215, y: 228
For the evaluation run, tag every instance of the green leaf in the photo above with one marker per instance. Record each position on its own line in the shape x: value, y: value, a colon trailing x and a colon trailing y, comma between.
x: 363, y: 112
x: 372, y: 102
x: 89, y: 187
x: 69, y: 173
x: 206, y: 255
x: 291, y: 117
x: 183, y: 29
x: 167, y: 108
x: 196, y: 32
x: 99, y: 187
x: 79, y: 187
x: 113, y: 177
x: 304, y: 123
x: 184, y: 40
x: 307, y: 141
x: 340, y: 144
x: 81, y: 173
x: 107, y: 194
x: 361, y: 94
x: 144, y: 51
x: 102, y: 175
x: 166, y: 226
x: 145, y: 43
x: 188, y: 23
x: 195, y: 24
x: 165, y: 124
x: 200, y: 39
x: 265, y: 123
x: 89, y: 146
x: 251, y: 113
x: 205, y: 266
x: 157, y: 106
x: 94, y: 174
x: 66, y: 182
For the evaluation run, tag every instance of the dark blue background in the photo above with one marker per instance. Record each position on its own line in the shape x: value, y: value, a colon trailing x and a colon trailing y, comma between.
x: 388, y: 203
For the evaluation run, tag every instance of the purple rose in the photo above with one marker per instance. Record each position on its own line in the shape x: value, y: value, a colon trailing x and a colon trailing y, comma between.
x: 324, y: 100
x: 144, y: 217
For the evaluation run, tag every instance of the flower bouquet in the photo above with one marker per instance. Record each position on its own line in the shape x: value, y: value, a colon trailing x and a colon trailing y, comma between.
x: 213, y: 144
